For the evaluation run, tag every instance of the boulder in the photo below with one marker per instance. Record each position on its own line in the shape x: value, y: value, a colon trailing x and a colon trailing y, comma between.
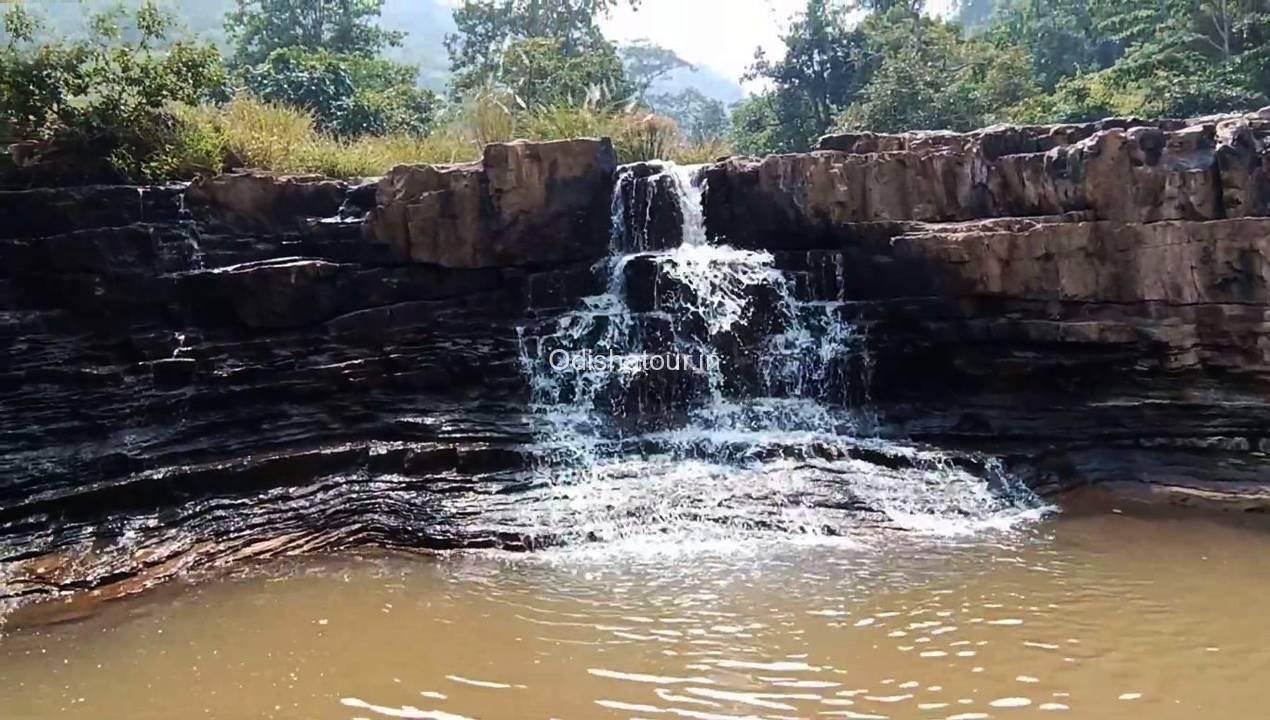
x: 523, y: 204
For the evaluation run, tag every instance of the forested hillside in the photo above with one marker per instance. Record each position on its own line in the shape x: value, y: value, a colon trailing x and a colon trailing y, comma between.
x: 168, y: 87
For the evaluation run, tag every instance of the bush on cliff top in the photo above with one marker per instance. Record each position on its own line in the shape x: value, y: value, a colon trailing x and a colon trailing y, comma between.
x: 106, y: 95
x: 248, y: 132
x: 160, y: 109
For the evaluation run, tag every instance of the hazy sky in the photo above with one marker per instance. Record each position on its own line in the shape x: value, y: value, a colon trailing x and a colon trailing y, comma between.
x: 720, y: 34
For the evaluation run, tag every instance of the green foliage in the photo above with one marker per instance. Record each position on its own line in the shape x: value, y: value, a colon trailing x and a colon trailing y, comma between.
x: 108, y: 93
x: 1171, y: 58
x: 538, y: 72
x: 824, y: 67
x: 1063, y: 37
x: 347, y: 94
x: 247, y: 132
x: 315, y: 92
x: 510, y: 44
x: 1027, y: 61
x: 928, y: 77
x: 323, y: 56
x: 757, y: 126
x: 257, y: 28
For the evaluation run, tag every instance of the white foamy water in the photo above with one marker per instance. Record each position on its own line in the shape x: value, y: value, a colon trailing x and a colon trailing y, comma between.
x: 753, y: 436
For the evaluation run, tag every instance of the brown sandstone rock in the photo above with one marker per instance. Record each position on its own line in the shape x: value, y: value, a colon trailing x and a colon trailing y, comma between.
x: 1120, y: 169
x: 261, y: 202
x: 523, y: 204
x: 1179, y: 263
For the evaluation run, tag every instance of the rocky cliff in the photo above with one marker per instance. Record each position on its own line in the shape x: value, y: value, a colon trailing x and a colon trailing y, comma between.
x: 254, y: 365
x: 1089, y: 301
x: 341, y: 359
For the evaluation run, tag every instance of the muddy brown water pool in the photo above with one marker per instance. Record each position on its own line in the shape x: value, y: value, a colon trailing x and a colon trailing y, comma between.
x: 1081, y: 615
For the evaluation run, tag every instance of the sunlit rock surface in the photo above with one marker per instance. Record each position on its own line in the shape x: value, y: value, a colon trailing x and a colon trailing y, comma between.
x: 523, y: 204
x: 1089, y: 300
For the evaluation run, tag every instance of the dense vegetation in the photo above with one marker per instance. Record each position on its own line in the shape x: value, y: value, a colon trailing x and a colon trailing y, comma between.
x: 889, y: 67
x: 318, y: 85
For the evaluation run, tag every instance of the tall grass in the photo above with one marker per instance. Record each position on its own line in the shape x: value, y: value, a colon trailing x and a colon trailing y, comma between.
x: 249, y: 133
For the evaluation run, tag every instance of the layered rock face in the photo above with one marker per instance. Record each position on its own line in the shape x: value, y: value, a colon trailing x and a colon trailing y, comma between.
x: 1090, y: 300
x: 170, y: 356
x: 254, y: 365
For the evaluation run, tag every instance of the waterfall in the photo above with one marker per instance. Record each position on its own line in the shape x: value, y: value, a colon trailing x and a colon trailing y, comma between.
x: 703, y: 396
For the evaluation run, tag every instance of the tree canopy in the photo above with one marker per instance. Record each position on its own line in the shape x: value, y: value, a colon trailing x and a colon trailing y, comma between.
x: 504, y: 43
x: 123, y: 80
x: 348, y: 27
x: 888, y: 65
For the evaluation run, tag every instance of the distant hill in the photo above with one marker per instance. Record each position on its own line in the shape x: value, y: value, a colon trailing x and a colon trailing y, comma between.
x: 426, y: 23
x: 711, y: 83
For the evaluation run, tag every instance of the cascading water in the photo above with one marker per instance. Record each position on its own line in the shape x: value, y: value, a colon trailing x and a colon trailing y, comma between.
x: 700, y: 398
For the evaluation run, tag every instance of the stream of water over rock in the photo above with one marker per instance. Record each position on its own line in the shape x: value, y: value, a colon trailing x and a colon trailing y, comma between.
x: 705, y: 397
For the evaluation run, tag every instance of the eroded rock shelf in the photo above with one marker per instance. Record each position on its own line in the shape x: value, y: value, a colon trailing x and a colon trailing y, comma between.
x: 255, y: 365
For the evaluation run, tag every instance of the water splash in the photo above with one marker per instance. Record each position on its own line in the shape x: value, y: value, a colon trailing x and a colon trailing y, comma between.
x: 765, y: 436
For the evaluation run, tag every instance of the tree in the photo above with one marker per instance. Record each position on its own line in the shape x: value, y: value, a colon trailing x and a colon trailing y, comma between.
x: 759, y: 125
x: 259, y: 27
x: 492, y: 32
x: 1027, y: 61
x: 324, y: 56
x: 107, y: 95
x: 539, y: 73
x: 935, y: 79
x: 646, y: 63
x: 1063, y: 37
x: 1173, y: 58
x: 348, y: 95
x: 824, y: 67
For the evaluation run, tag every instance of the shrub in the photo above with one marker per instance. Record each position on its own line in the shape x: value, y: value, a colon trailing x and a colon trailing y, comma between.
x: 644, y: 136
x: 705, y: 151
x: 485, y: 116
x: 348, y: 95
x: 249, y: 132
x: 105, y: 95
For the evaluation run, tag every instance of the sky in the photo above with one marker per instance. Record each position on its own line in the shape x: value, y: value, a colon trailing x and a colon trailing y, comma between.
x: 719, y: 34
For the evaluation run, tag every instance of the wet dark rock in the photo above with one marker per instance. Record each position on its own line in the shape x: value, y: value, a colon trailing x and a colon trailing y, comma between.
x: 648, y: 203
x: 51, y: 211
x: 174, y: 372
x: 242, y: 380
